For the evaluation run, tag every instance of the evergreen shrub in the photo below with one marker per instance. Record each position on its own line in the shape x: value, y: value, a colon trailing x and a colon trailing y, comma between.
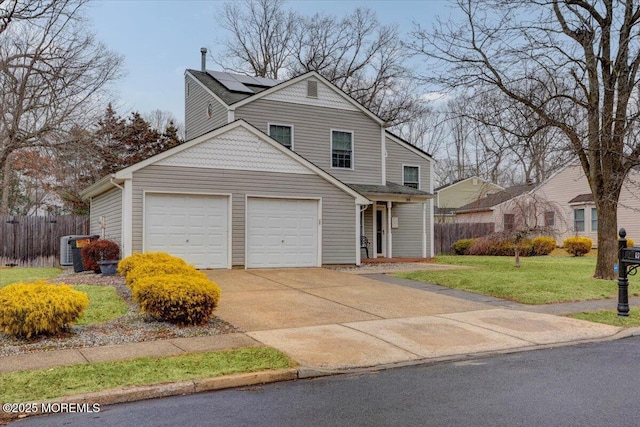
x: 32, y: 309
x: 577, y: 246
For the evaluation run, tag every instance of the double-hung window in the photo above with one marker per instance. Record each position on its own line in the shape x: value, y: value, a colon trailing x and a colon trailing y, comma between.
x: 549, y: 219
x: 341, y: 149
x: 578, y: 219
x: 509, y: 222
x: 411, y: 176
x: 594, y: 219
x: 283, y: 134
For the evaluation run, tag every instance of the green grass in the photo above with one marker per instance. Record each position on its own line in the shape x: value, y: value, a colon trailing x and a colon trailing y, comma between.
x: 610, y: 317
x: 539, y: 280
x: 24, y: 274
x: 104, y: 304
x: 34, y: 386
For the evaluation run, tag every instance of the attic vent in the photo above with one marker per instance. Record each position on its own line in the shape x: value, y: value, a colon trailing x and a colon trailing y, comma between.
x: 312, y: 88
x: 475, y: 181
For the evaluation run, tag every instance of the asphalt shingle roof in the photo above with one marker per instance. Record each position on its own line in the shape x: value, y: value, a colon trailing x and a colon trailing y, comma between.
x: 491, y: 200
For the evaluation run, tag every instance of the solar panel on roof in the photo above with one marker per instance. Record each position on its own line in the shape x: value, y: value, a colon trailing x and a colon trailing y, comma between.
x: 229, y: 82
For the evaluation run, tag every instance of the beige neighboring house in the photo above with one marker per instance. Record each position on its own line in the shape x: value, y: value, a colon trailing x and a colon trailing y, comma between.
x: 450, y: 197
x: 569, y: 189
x: 498, y: 208
x: 563, y: 203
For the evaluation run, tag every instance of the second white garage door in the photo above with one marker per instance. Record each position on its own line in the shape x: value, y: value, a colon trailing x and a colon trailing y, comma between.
x: 282, y: 233
x: 192, y: 227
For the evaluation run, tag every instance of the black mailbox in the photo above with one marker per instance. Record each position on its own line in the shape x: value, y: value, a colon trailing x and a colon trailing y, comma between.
x: 630, y: 255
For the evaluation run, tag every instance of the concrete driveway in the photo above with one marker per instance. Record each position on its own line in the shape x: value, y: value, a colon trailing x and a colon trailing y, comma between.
x: 326, y: 319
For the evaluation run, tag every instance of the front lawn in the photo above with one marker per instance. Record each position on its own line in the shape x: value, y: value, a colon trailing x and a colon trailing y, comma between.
x: 104, y: 304
x: 34, y: 386
x: 539, y: 280
x: 610, y: 317
x: 24, y: 274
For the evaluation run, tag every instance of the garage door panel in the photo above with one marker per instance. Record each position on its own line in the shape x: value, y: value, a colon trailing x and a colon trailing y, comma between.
x: 192, y: 227
x: 282, y: 233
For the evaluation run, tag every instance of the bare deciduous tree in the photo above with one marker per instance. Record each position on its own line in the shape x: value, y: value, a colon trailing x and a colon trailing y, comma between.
x: 24, y: 10
x: 574, y: 64
x: 53, y: 74
x: 260, y: 37
x: 356, y: 53
x: 161, y: 120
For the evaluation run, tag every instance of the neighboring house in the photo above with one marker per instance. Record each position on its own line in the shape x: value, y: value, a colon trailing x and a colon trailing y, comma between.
x: 274, y: 174
x: 497, y: 207
x: 562, y: 204
x: 449, y: 197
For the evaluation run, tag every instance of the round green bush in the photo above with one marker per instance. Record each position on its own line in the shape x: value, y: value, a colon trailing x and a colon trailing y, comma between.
x: 461, y: 247
x: 39, y: 308
x: 177, y: 298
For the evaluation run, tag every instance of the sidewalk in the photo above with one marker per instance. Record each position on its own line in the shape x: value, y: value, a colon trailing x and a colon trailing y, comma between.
x: 335, y: 322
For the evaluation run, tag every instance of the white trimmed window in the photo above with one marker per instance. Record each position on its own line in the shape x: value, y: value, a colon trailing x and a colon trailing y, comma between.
x: 594, y: 219
x: 411, y: 176
x: 283, y: 134
x: 341, y: 149
x: 578, y: 219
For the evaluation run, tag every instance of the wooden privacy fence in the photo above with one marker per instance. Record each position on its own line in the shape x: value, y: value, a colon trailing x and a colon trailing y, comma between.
x: 34, y: 241
x: 446, y: 235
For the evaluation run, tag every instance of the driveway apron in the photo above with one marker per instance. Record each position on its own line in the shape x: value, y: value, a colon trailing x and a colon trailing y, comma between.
x: 327, y: 319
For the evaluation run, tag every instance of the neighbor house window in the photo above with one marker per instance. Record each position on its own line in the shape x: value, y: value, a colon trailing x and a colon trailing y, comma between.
x: 578, y: 219
x: 549, y: 219
x: 509, y: 221
x: 283, y: 134
x: 594, y: 219
x: 411, y: 176
x: 341, y: 149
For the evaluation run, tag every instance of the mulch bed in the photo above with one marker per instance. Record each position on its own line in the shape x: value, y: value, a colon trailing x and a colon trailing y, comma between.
x: 134, y: 326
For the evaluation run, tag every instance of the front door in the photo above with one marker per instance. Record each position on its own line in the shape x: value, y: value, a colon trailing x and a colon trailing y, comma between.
x: 381, y: 227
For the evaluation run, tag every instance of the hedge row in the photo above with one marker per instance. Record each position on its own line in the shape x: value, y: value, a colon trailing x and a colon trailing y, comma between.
x: 168, y: 288
x: 498, y: 245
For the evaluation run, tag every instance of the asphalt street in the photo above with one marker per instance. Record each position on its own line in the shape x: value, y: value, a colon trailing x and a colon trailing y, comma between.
x: 584, y: 385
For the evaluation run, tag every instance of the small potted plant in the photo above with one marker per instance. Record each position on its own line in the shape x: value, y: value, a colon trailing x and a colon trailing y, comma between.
x: 101, y: 255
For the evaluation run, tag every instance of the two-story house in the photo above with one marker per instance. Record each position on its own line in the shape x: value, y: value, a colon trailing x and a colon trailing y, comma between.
x: 273, y: 174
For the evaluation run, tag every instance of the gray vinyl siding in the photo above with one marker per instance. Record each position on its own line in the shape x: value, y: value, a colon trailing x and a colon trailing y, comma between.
x: 312, y: 135
x: 407, y: 238
x: 108, y: 204
x: 196, y: 122
x: 397, y: 156
x: 338, y: 208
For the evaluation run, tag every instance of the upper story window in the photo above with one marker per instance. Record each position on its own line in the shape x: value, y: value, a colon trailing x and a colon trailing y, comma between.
x: 578, y: 219
x: 411, y: 176
x: 341, y: 149
x: 594, y: 219
x: 283, y: 134
x: 210, y: 110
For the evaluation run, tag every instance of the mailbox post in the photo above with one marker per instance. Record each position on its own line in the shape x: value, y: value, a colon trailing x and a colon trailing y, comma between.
x: 628, y: 263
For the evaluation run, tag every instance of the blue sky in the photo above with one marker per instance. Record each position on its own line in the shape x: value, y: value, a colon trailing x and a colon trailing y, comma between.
x: 160, y: 39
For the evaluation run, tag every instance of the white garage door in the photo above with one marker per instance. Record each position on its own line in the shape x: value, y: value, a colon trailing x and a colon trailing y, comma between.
x: 282, y: 233
x: 192, y: 227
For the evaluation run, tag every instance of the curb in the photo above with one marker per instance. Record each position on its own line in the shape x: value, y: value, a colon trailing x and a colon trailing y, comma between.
x: 153, y: 391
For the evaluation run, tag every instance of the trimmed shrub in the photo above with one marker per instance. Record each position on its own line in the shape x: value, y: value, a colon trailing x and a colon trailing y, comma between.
x: 130, y: 262
x: 577, y: 246
x: 177, y: 298
x: 630, y: 243
x: 39, y: 308
x: 99, y: 250
x: 543, y: 245
x: 526, y: 247
x: 150, y: 268
x: 461, y: 247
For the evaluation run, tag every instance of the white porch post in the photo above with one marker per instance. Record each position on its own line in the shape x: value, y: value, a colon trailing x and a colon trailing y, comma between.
x: 424, y: 230
x: 389, y: 237
x: 358, y: 250
x: 374, y: 233
x: 127, y: 219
